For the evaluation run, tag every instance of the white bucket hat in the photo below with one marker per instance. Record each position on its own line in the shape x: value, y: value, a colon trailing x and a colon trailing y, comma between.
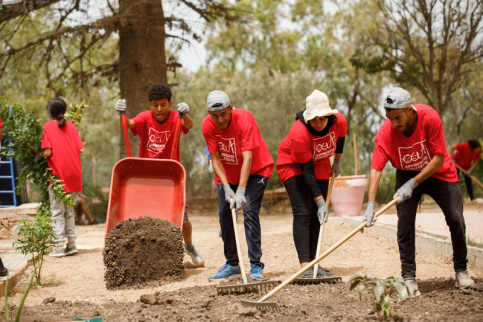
x: 317, y: 104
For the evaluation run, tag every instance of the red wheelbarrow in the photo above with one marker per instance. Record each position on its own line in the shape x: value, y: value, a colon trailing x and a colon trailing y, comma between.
x: 147, y: 187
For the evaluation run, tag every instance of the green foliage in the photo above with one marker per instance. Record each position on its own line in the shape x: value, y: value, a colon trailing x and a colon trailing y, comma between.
x: 22, y: 300
x: 381, y: 289
x: 35, y: 239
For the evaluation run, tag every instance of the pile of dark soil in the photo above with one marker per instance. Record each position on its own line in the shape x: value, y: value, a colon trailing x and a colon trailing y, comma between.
x: 141, y: 250
x: 440, y: 301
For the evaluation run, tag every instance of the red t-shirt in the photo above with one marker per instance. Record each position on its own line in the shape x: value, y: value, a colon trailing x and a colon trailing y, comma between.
x: 241, y: 135
x: 65, y: 159
x: 465, y: 155
x: 415, y: 152
x: 156, y: 138
x: 1, y: 122
x: 301, y: 146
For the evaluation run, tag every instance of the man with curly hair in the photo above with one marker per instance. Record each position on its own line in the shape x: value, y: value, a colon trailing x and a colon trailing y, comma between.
x: 154, y: 128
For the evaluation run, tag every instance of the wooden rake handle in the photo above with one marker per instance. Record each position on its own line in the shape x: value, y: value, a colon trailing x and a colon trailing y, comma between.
x: 321, y: 232
x: 327, y: 252
x: 238, y: 248
x: 472, y: 177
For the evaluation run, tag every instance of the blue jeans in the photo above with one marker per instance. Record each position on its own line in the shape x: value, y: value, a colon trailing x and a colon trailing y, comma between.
x: 448, y: 197
x: 254, y: 194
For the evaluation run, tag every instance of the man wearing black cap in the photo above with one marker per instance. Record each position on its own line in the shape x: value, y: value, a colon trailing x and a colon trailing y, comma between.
x: 412, y: 139
x: 243, y: 163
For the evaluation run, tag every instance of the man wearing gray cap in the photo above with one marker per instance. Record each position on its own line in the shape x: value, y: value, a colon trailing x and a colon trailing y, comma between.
x: 412, y: 139
x: 243, y: 164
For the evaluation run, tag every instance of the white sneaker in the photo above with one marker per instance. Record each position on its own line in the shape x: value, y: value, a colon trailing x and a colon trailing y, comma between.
x: 463, y: 280
x: 196, y: 256
x: 413, y: 289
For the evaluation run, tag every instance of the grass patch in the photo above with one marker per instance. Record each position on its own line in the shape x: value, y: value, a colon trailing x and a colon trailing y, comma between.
x: 50, y: 281
x: 471, y: 242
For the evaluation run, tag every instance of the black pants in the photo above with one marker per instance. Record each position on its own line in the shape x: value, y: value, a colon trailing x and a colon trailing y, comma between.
x: 469, y: 184
x: 306, y: 225
x: 448, y: 197
x: 254, y: 194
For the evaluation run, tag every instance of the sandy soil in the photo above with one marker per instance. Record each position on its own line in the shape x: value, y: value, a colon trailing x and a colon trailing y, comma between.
x: 80, y: 278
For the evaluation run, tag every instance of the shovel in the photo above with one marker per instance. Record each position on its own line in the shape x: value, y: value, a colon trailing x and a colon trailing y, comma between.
x: 314, y: 279
x: 245, y: 287
x: 273, y: 306
x: 472, y: 177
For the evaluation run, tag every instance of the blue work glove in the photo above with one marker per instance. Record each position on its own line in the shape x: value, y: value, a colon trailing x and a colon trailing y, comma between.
x: 240, y: 201
x: 468, y: 173
x: 336, y: 167
x: 183, y: 108
x: 369, y: 214
x: 229, y: 194
x: 406, y: 191
x: 322, y: 211
x: 120, y: 105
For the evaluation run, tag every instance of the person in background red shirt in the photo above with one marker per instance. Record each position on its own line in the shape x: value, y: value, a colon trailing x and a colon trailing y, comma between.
x: 1, y: 130
x: 412, y: 139
x: 154, y: 129
x: 304, y: 168
x: 62, y: 145
x: 467, y: 156
x: 243, y: 163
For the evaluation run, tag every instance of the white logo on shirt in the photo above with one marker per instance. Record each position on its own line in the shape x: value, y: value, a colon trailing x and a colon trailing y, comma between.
x: 324, y: 147
x: 157, y: 140
x: 227, y: 149
x: 415, y: 157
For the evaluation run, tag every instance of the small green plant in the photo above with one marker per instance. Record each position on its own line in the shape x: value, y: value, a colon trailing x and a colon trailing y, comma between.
x: 22, y: 300
x: 35, y: 239
x: 474, y: 243
x: 381, y: 289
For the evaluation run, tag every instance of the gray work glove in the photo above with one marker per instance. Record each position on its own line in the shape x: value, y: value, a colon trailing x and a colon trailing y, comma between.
x: 183, y: 108
x: 468, y: 173
x: 38, y: 157
x: 369, y: 214
x: 120, y: 105
x: 229, y: 194
x: 336, y: 167
x: 240, y: 201
x: 322, y: 211
x: 406, y: 191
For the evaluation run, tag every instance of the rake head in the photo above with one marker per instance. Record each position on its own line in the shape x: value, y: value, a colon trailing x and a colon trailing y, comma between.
x: 262, y: 306
x: 305, y: 281
x: 258, y: 287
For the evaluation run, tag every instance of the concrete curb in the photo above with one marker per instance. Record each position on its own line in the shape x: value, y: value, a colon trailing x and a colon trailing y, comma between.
x: 425, y: 242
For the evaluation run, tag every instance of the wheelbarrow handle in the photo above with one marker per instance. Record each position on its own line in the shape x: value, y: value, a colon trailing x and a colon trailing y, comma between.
x: 126, y: 134
x: 176, y: 133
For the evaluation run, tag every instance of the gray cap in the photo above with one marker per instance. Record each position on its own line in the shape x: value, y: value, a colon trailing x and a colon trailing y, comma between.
x: 397, y: 97
x: 217, y: 101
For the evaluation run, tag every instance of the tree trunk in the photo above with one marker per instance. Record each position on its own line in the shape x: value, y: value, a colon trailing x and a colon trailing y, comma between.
x: 142, y: 56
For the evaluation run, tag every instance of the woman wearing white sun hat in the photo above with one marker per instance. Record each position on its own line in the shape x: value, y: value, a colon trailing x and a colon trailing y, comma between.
x: 304, y: 168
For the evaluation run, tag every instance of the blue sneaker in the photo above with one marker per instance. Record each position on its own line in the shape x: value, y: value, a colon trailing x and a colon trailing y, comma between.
x: 256, y: 272
x: 225, y: 271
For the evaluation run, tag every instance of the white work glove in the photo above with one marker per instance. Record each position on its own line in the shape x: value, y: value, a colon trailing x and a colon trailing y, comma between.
x: 406, y: 191
x: 183, y: 108
x: 468, y: 173
x: 322, y: 211
x: 240, y: 201
x: 369, y: 214
x: 229, y: 194
x: 120, y: 105
x: 336, y: 167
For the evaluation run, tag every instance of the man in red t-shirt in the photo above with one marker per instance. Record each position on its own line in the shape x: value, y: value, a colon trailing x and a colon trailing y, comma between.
x: 243, y: 163
x: 467, y: 156
x: 412, y: 139
x: 154, y: 128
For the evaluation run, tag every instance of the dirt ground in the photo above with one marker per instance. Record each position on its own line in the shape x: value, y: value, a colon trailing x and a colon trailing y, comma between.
x: 79, y: 289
